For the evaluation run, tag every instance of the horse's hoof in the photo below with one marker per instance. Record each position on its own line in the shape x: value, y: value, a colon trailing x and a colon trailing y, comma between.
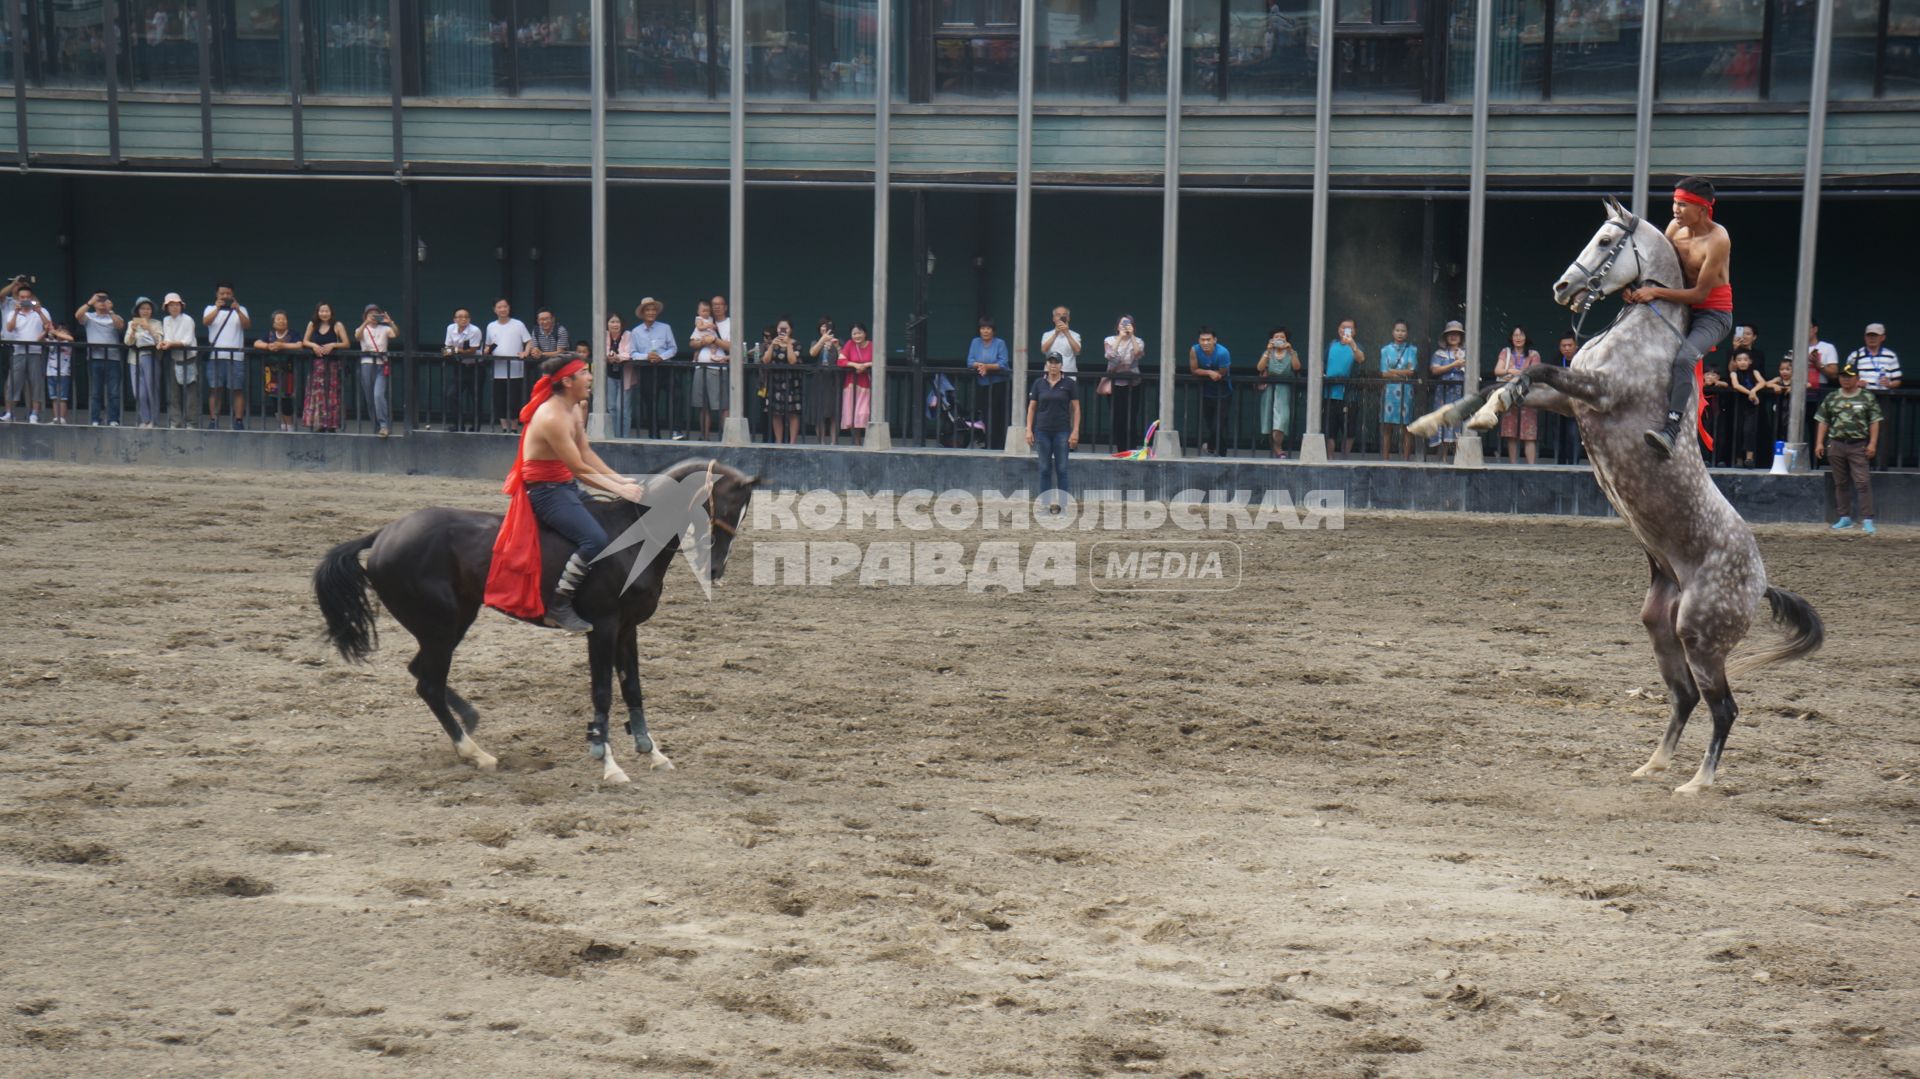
x: 1648, y: 769
x: 1692, y: 788
x: 660, y: 763
x: 486, y: 762
x: 616, y: 776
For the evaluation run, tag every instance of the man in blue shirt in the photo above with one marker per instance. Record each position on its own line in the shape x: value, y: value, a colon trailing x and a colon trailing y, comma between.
x: 1344, y: 355
x: 1210, y: 362
x: 652, y: 343
x: 993, y: 396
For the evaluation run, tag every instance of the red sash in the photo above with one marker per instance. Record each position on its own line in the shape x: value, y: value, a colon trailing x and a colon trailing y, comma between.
x: 513, y: 578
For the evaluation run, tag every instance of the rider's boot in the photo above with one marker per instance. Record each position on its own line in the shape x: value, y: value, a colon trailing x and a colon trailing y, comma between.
x: 1661, y: 439
x: 561, y: 614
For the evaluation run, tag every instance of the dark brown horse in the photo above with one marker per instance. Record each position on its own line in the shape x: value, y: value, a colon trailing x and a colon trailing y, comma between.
x: 429, y: 569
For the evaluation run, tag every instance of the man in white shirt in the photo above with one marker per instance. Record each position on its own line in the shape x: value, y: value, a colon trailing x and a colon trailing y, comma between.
x: 1823, y: 360
x: 1878, y: 365
x: 178, y: 335
x: 507, y: 341
x: 461, y: 347
x: 710, y: 390
x: 1061, y: 341
x: 23, y: 324
x: 227, y: 323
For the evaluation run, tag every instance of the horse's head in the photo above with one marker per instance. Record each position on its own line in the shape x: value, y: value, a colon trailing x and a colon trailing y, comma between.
x: 729, y: 492
x: 1601, y: 270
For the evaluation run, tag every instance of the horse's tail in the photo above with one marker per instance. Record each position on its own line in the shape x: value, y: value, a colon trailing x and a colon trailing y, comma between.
x: 340, y: 587
x: 1805, y: 633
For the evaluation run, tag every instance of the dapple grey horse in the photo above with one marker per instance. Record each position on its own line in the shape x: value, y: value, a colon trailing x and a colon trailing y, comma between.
x: 1707, y: 575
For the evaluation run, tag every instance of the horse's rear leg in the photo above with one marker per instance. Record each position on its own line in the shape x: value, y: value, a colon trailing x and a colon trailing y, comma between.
x: 429, y: 669
x: 626, y: 659
x: 1709, y: 628
x: 1659, y: 614
x: 1711, y: 676
x: 1446, y: 416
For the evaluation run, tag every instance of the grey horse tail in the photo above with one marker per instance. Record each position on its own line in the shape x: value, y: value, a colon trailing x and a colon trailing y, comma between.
x: 340, y: 589
x: 1805, y: 633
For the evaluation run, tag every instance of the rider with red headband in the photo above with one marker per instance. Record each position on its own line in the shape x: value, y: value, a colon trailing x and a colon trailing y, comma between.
x: 1705, y: 251
x: 553, y: 451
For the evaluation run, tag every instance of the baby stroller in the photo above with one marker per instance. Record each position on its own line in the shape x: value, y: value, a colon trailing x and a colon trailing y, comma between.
x: 952, y: 429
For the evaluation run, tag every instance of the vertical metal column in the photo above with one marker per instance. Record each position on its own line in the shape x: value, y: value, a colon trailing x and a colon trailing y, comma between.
x: 396, y: 67
x: 205, y: 35
x: 109, y: 40
x: 736, y: 431
x: 1166, y: 442
x: 413, y: 373
x: 879, y: 430
x: 1022, y: 238
x: 1470, y: 452
x: 1643, y: 108
x: 1313, y: 443
x: 19, y: 41
x: 597, y: 215
x: 297, y: 78
x: 1810, y: 231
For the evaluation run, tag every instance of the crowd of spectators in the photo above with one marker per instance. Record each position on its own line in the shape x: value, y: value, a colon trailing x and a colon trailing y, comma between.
x: 817, y: 384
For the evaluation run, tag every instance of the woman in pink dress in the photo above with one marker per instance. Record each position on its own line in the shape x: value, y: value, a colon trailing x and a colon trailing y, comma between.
x: 1522, y: 424
x: 856, y: 396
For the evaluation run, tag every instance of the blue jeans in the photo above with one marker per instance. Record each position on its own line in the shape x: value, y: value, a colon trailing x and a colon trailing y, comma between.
x: 103, y: 389
x: 1052, y: 448
x: 558, y: 506
x: 616, y: 396
x: 373, y: 391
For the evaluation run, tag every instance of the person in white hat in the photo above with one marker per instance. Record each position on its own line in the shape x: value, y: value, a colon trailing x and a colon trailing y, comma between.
x: 178, y: 336
x: 1448, y: 366
x: 1878, y: 365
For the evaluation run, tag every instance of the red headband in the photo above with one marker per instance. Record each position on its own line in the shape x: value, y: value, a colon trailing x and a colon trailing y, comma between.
x: 1688, y: 196
x: 543, y: 389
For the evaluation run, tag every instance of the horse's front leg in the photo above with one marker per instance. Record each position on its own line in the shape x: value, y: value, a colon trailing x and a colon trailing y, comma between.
x: 1552, y: 388
x: 1450, y: 415
x: 600, y: 643
x: 626, y: 658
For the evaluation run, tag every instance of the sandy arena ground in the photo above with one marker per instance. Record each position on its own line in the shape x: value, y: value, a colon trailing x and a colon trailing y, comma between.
x: 1370, y: 815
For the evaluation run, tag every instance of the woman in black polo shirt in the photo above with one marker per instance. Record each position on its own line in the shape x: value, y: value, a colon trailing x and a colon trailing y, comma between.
x: 1053, y: 426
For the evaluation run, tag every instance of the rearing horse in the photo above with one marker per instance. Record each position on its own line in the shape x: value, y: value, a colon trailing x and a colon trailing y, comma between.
x: 430, y: 570
x: 1707, y: 575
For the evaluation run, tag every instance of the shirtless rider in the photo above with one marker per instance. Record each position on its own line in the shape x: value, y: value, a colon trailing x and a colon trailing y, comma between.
x: 553, y: 453
x: 1705, y: 251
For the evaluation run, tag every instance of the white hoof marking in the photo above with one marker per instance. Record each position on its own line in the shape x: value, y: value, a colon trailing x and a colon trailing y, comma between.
x: 612, y: 773
x: 660, y: 763
x: 471, y: 752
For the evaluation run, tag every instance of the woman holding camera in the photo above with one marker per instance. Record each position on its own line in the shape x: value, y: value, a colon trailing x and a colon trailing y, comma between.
x: 376, y: 333
x: 144, y: 334
x: 786, y: 390
x: 822, y: 403
x: 1278, y: 361
x: 1124, y: 352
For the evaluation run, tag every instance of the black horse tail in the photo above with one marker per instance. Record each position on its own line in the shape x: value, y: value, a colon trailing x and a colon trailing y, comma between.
x: 1805, y: 633
x: 340, y: 587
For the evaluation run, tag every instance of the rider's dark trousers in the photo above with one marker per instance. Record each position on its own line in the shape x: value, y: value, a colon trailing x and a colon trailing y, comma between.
x: 558, y: 506
x: 1709, y: 329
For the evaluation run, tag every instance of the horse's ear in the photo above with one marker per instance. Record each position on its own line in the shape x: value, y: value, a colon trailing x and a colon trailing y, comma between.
x: 1612, y: 206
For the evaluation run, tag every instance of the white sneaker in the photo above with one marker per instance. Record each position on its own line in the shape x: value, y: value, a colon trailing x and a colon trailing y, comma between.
x: 33, y: 417
x: 115, y: 423
x: 7, y: 416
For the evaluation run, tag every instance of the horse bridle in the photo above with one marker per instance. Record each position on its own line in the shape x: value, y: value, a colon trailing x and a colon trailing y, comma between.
x: 1597, y: 276
x: 713, y: 509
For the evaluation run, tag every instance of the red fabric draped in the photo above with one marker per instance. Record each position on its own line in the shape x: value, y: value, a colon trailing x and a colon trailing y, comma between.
x: 1700, y: 391
x: 513, y: 579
